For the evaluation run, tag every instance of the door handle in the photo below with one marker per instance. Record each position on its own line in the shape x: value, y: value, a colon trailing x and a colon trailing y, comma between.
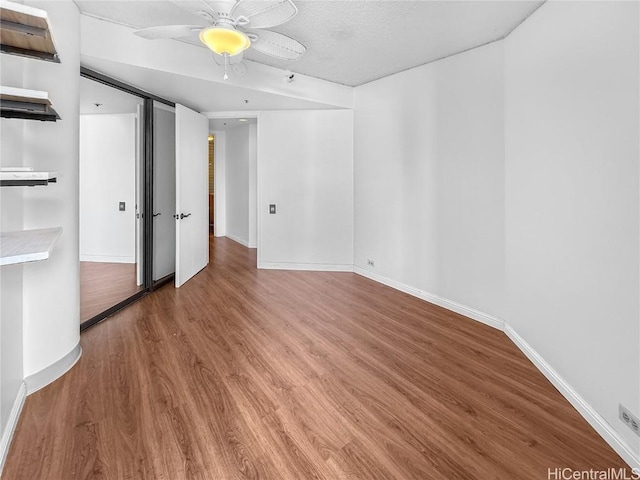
x: 156, y: 214
x: 184, y: 215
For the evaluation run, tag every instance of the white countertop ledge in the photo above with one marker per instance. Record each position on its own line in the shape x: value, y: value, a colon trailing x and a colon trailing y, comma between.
x: 27, y: 245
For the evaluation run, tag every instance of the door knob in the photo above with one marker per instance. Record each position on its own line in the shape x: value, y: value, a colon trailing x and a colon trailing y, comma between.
x: 184, y: 215
x: 156, y: 214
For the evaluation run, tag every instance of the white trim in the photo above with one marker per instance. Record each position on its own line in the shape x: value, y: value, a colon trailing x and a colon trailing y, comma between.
x: 54, y: 371
x: 310, y: 267
x: 12, y: 422
x: 107, y: 259
x: 432, y: 298
x: 239, y: 240
x: 606, y: 431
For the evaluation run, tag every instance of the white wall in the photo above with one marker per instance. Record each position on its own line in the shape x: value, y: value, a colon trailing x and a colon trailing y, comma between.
x: 107, y: 177
x: 11, y: 350
x: 572, y: 215
x: 219, y: 169
x: 429, y: 182
x: 305, y: 165
x: 52, y: 288
x: 505, y: 181
x: 253, y: 185
x: 237, y: 184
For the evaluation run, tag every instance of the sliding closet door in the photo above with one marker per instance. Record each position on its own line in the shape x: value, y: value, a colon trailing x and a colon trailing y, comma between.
x: 192, y: 191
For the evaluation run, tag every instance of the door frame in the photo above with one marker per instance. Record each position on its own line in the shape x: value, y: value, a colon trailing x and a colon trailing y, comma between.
x: 147, y: 206
x: 245, y: 114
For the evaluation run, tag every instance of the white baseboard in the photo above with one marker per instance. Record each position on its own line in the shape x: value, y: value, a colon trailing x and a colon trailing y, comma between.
x: 238, y: 240
x: 596, y: 420
x: 311, y: 267
x: 106, y: 259
x: 432, y: 298
x: 604, y: 429
x: 54, y: 371
x: 7, y: 434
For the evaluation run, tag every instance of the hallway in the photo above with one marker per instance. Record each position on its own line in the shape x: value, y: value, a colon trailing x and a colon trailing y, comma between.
x: 246, y: 373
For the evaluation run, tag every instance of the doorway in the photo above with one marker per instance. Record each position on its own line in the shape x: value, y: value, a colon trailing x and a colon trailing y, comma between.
x: 235, y: 177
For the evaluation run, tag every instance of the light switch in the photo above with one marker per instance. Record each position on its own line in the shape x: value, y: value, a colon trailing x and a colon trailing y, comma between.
x: 272, y: 208
x: 121, y: 206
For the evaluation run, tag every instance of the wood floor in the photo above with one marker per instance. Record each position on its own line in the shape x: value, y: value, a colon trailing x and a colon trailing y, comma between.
x: 247, y: 374
x: 103, y: 285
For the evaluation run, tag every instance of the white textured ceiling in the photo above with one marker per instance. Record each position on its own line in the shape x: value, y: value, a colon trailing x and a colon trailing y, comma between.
x: 353, y: 42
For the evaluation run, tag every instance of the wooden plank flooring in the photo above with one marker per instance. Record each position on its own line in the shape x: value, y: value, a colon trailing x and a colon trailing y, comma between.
x: 247, y: 374
x: 103, y: 285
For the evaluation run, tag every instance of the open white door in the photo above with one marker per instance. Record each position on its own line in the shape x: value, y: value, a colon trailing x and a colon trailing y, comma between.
x: 192, y: 190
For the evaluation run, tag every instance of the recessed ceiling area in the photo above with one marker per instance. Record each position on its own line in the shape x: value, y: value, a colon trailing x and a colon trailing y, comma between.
x: 196, y: 93
x: 224, y: 124
x: 353, y: 42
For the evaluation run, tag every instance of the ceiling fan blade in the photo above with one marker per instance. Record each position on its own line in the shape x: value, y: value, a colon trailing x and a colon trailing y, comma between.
x: 167, y: 31
x: 264, y: 13
x: 277, y: 45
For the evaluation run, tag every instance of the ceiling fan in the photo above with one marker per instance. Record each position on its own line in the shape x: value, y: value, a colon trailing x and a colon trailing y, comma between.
x: 230, y: 30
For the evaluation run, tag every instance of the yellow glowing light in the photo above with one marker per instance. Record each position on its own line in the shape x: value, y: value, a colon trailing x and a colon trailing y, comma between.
x: 225, y: 40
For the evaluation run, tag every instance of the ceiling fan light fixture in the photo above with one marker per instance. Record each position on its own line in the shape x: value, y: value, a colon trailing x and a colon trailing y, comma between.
x: 224, y: 40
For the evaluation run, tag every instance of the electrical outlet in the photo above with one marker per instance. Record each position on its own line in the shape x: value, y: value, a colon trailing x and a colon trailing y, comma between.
x: 371, y: 263
x: 272, y: 208
x: 629, y: 418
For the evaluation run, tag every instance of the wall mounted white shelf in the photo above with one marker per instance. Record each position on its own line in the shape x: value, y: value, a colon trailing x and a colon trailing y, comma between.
x: 26, y: 104
x: 26, y: 178
x: 25, y: 31
x: 27, y: 245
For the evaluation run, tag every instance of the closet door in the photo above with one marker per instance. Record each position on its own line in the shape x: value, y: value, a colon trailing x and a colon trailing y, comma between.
x: 192, y: 215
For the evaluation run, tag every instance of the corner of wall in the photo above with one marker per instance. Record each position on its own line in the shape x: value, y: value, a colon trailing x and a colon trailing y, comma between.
x: 12, y: 423
x: 51, y: 288
x: 220, y: 205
